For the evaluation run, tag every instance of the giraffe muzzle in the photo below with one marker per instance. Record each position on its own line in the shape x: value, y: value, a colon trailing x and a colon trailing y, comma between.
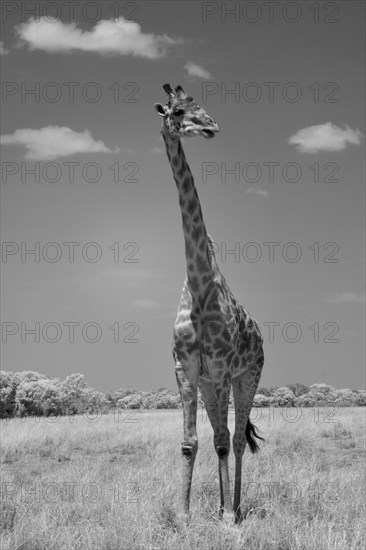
x: 208, y: 134
x: 209, y: 129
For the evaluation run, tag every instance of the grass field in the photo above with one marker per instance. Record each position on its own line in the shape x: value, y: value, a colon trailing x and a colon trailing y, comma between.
x: 114, y: 483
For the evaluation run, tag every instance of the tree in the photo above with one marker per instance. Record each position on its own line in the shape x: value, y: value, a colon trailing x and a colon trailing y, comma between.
x: 94, y: 400
x: 73, y: 394
x: 132, y: 401
x: 28, y: 376
x: 318, y: 394
x: 7, y: 394
x: 264, y: 391
x: 298, y: 389
x: 261, y: 400
x: 167, y: 400
x: 38, y: 397
x: 345, y: 398
x: 323, y: 394
x: 123, y: 392
x: 110, y: 398
x: 360, y: 397
x: 283, y: 397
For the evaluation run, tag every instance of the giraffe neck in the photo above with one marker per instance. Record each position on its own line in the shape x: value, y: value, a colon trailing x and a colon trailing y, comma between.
x: 200, y: 262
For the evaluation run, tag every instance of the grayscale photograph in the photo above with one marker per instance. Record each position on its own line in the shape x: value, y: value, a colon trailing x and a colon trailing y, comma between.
x: 182, y: 275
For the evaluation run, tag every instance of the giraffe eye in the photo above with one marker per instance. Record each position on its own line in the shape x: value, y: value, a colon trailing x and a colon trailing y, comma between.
x: 178, y: 112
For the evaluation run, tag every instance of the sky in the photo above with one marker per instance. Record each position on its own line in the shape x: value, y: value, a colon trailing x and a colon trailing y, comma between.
x: 87, y: 187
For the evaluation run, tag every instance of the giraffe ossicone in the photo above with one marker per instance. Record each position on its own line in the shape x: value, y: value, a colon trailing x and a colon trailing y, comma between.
x: 216, y: 343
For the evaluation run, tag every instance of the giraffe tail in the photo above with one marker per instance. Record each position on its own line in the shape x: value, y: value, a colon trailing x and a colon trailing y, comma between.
x: 251, y: 433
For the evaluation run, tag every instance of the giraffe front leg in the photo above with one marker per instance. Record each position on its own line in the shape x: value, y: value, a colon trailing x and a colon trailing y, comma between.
x: 187, y: 384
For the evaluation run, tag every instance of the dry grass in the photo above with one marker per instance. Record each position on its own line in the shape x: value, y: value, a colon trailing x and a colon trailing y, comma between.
x: 116, y: 485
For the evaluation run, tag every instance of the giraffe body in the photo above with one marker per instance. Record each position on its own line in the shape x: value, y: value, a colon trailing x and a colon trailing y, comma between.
x: 216, y: 343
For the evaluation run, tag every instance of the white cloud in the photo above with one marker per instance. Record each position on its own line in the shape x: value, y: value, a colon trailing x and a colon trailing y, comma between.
x: 196, y: 70
x: 3, y: 50
x: 325, y: 137
x: 257, y: 191
x: 346, y: 297
x: 113, y: 37
x: 52, y: 142
x: 146, y: 303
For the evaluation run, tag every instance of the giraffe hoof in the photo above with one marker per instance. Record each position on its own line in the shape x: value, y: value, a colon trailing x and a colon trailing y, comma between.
x: 239, y: 517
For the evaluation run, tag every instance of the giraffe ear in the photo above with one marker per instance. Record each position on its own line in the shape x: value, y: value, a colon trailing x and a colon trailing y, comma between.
x: 160, y: 109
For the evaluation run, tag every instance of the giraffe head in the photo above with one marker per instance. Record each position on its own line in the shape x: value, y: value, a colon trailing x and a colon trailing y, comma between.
x: 182, y: 117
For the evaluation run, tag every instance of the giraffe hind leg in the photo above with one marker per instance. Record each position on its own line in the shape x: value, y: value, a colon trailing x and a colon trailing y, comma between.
x: 244, y: 388
x: 215, y: 395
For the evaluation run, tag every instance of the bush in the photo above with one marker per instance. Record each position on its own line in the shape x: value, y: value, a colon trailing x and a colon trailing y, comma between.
x: 7, y: 394
x: 283, y: 397
x: 298, y: 389
x: 38, y: 397
x: 133, y: 401
x: 261, y: 401
x: 360, y: 396
x: 264, y: 391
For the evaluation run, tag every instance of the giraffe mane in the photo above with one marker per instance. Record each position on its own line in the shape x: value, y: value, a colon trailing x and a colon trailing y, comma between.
x: 211, y: 245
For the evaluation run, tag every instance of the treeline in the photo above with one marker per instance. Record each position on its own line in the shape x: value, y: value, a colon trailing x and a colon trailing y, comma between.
x: 299, y: 395
x: 29, y: 393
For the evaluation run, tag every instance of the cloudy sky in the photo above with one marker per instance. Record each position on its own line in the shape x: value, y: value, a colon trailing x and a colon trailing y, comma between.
x: 87, y: 187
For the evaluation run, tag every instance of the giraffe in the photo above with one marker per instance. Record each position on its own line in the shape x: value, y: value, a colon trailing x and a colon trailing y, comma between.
x: 216, y: 343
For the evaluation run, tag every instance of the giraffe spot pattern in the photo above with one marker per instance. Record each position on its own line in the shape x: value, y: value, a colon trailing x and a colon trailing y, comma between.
x: 201, y: 264
x: 194, y: 284
x: 191, y: 207
x: 196, y: 233
x: 186, y: 185
x: 189, y: 250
